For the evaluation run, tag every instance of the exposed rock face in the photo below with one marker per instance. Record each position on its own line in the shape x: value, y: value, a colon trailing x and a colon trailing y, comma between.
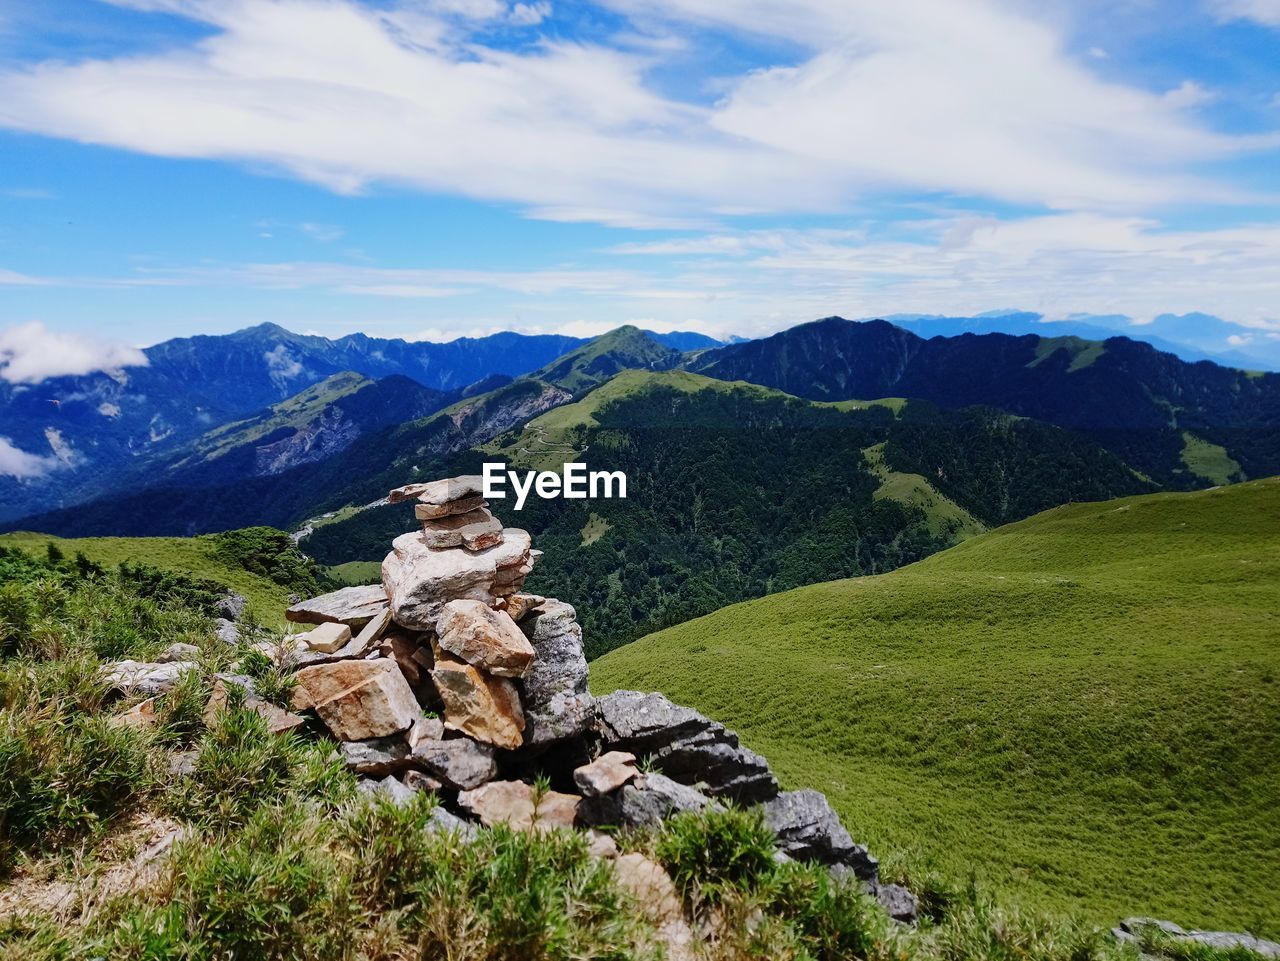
x: 358, y: 700
x: 899, y: 903
x: 458, y: 762
x: 139, y: 677
x: 605, y: 774
x: 486, y: 708
x: 684, y: 745
x: 378, y: 757
x: 475, y: 530
x: 518, y: 605
x: 557, y: 705
x: 809, y: 830
x: 1131, y: 929
x: 514, y: 803
x: 488, y: 639
x: 230, y: 606
x: 353, y: 606
x: 646, y: 802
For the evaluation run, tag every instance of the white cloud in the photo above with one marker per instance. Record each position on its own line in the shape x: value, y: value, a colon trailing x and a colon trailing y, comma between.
x: 1056, y: 264
x: 14, y: 279
x: 15, y: 462
x: 1263, y: 11
x: 938, y: 95
x: 30, y: 353
x: 324, y: 233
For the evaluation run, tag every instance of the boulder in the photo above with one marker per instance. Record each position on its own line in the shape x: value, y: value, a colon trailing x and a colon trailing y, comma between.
x: 515, y: 803
x: 809, y: 830
x: 556, y: 703
x: 483, y: 707
x: 358, y: 700
x: 645, y: 802
x: 443, y: 821
x: 140, y: 717
x: 439, y: 492
x: 605, y: 774
x: 899, y: 903
x: 178, y: 652
x: 488, y: 639
x: 458, y: 762
x: 654, y: 891
x: 684, y: 745
x: 229, y: 606
x: 327, y: 638
x: 226, y: 631
x: 424, y: 729
x: 388, y: 787
x: 140, y: 677
x: 353, y: 606
x: 1132, y: 929
x: 418, y: 781
x: 378, y: 756
x: 475, y: 531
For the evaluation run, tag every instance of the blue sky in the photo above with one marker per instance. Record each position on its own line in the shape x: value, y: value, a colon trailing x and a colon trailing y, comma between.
x: 435, y: 168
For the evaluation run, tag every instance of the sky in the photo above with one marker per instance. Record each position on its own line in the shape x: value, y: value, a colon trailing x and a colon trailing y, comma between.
x: 430, y: 169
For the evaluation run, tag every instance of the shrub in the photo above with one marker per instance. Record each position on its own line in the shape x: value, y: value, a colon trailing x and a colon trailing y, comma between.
x: 240, y: 765
x: 712, y: 851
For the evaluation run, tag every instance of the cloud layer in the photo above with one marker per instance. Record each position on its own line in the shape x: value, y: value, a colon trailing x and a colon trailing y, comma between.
x: 17, y: 463
x: 969, y: 98
x: 30, y: 353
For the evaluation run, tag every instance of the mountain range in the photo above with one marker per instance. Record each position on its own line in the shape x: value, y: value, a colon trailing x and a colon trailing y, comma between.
x: 100, y: 431
x: 834, y: 448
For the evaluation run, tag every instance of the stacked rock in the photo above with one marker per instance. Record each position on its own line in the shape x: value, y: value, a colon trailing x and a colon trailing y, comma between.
x: 448, y: 678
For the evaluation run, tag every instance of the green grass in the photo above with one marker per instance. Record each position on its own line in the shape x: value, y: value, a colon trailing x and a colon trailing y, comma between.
x: 942, y: 514
x: 1081, y: 710
x: 594, y: 529
x: 194, y: 556
x: 1083, y: 352
x: 355, y: 573
x: 1209, y: 461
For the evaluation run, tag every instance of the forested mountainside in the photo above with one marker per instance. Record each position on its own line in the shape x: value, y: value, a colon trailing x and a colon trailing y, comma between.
x: 1157, y: 412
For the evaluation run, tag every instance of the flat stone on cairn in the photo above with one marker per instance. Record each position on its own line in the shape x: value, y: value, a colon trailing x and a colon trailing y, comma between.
x: 474, y: 530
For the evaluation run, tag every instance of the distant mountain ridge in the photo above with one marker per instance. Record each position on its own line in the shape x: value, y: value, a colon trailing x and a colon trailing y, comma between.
x: 1151, y: 408
x: 93, y: 428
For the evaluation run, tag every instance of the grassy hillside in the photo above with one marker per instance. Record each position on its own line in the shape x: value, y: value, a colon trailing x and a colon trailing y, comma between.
x: 192, y: 556
x: 1081, y: 709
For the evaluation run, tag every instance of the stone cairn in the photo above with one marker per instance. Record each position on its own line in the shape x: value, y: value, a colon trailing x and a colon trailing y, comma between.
x: 448, y: 678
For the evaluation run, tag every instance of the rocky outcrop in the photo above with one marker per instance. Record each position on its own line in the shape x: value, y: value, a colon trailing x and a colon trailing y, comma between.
x: 449, y: 632
x: 1133, y: 930
x: 684, y: 745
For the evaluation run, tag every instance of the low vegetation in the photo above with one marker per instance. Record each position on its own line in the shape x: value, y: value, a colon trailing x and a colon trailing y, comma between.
x: 260, y: 563
x: 1080, y: 711
x: 279, y: 858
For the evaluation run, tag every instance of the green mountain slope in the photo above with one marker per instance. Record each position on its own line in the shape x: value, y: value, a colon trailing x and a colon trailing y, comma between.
x: 1082, y: 709
x: 198, y: 557
x: 626, y: 348
x: 736, y: 491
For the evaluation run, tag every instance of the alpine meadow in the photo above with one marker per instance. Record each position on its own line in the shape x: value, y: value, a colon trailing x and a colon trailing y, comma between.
x: 533, y: 480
